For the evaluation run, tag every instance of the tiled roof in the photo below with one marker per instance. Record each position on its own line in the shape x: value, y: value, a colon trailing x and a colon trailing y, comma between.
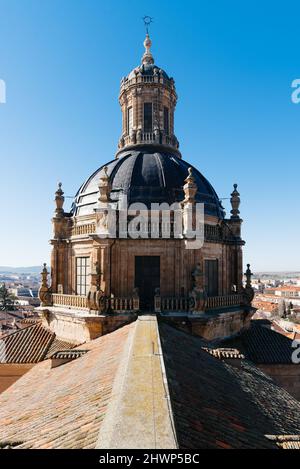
x: 286, y: 441
x: 63, y: 407
x: 218, y: 405
x: 69, y: 354
x: 58, y: 345
x: 223, y: 353
x: 30, y: 345
x: 263, y: 345
x: 129, y: 385
x: 31, y: 320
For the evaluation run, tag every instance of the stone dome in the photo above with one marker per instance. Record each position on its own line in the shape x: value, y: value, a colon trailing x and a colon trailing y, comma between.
x: 148, y: 175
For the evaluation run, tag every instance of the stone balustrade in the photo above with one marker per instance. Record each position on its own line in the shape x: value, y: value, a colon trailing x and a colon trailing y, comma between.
x: 113, y: 304
x: 214, y: 302
x: 120, y: 305
x: 171, y: 304
x: 158, y: 137
x: 139, y: 78
x: 161, y: 304
x: 70, y: 301
x: 183, y: 304
x: 86, y: 229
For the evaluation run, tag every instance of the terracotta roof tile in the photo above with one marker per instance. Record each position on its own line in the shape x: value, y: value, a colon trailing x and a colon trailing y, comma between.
x: 262, y: 345
x: 69, y: 354
x: 218, y: 405
x: 223, y: 353
x: 286, y: 441
x: 58, y: 345
x: 63, y: 407
x: 27, y: 345
x: 30, y: 344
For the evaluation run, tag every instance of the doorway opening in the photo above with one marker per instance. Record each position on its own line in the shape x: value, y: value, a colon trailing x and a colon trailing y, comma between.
x: 147, y: 279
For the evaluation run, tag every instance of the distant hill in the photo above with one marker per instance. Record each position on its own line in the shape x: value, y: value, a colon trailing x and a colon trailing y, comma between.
x: 20, y: 270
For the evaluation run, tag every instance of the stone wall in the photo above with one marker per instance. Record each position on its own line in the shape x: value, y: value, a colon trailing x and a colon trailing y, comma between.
x: 80, y: 328
x: 212, y: 326
x: 11, y: 372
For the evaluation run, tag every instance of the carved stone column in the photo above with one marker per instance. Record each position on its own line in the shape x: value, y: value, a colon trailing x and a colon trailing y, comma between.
x: 198, y: 296
x: 248, y: 290
x: 45, y: 290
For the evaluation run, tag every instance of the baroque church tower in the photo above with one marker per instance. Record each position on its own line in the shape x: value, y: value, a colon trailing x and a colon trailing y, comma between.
x: 102, y: 275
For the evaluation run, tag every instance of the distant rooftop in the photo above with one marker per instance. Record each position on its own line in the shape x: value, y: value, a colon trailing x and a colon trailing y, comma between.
x: 30, y: 344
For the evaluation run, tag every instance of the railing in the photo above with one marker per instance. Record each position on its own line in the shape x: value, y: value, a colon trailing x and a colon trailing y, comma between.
x: 212, y: 233
x: 83, y: 229
x: 147, y: 79
x: 161, y: 304
x: 214, y: 302
x: 117, y: 305
x: 148, y: 137
x: 184, y: 304
x: 171, y: 304
x: 120, y: 305
x: 70, y: 301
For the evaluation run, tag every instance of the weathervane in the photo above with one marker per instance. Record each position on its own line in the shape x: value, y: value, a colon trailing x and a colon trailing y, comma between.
x: 147, y: 21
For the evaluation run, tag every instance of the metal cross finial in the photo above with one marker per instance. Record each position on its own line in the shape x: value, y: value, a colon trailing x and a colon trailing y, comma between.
x: 147, y: 21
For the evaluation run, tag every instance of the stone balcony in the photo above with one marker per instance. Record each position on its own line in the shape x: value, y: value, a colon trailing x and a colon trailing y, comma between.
x: 147, y: 79
x: 69, y: 316
x: 174, y: 304
x: 157, y: 137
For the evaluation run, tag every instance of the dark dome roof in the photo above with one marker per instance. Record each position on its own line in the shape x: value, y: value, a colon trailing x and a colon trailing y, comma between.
x: 149, y: 70
x: 147, y: 175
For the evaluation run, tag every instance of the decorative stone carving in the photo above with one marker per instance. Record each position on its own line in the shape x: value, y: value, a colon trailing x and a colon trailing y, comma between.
x: 104, y: 304
x: 136, y: 299
x: 61, y: 223
x: 95, y: 294
x: 190, y: 188
x: 139, y: 135
x: 102, y: 221
x: 46, y: 316
x: 104, y: 187
x: 59, y: 201
x: 147, y: 57
x: 235, y: 203
x: 248, y: 290
x: 45, y: 290
x: 198, y: 296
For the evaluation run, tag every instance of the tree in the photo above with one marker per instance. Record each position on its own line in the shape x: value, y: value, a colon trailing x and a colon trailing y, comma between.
x: 290, y: 308
x: 7, y: 300
x: 282, y: 309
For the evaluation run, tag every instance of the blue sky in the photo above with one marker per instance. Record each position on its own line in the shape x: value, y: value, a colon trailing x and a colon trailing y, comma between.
x: 233, y: 63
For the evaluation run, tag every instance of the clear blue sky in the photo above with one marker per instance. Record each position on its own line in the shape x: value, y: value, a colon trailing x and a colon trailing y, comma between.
x: 233, y: 63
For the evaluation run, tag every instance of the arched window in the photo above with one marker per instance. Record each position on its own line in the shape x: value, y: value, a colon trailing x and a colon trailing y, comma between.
x: 166, y: 120
x: 212, y: 277
x: 148, y: 120
x: 129, y: 119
